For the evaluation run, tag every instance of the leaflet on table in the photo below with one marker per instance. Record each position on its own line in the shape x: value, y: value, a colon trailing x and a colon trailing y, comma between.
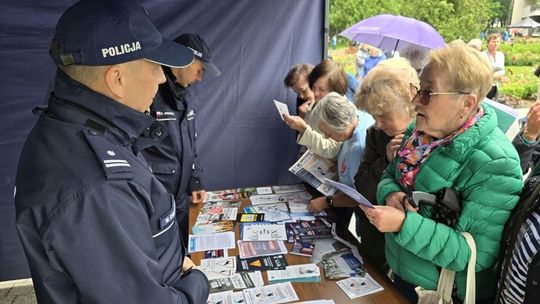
x: 218, y: 253
x: 216, y: 207
x: 219, y: 267
x: 350, y: 192
x: 212, y: 227
x: 303, y: 249
x: 307, y: 231
x: 236, y: 282
x: 342, y: 264
x: 250, y: 217
x: 270, y: 262
x: 326, y: 247
x: 359, y: 286
x: 313, y: 170
x: 295, y: 273
x: 264, y: 248
x: 304, y: 216
x: 224, y: 297
x: 229, y: 194
x: 262, y: 232
x: 264, y: 190
x: 225, y: 214
x: 317, y: 302
x: 271, y: 294
x: 203, y: 242
x: 267, y: 207
x: 272, y: 212
x: 238, y: 298
x: 289, y: 188
x: 298, y: 207
x: 282, y: 108
x: 262, y: 199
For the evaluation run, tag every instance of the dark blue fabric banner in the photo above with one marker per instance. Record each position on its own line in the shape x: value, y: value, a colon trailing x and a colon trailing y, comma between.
x: 241, y: 139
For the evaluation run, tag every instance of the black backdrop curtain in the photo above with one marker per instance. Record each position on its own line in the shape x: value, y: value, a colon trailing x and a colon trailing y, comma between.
x: 241, y: 139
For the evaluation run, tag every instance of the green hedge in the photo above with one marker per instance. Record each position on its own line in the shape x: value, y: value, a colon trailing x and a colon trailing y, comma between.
x: 522, y: 83
x: 522, y: 59
x: 525, y: 52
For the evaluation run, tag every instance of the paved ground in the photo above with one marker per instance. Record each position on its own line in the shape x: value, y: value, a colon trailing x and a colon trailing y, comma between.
x: 17, y: 292
x: 22, y: 292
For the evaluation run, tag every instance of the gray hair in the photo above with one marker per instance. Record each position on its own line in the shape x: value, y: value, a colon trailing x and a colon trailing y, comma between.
x: 337, y: 112
x: 475, y: 44
x: 87, y: 75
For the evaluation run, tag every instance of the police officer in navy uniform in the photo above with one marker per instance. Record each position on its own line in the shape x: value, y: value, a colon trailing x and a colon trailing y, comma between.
x: 95, y: 224
x: 174, y: 160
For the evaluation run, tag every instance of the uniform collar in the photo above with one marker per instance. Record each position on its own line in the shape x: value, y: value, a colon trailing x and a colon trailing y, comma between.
x: 179, y: 92
x: 131, y: 122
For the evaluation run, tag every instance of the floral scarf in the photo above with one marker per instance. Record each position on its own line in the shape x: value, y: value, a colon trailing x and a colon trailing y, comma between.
x: 417, y: 148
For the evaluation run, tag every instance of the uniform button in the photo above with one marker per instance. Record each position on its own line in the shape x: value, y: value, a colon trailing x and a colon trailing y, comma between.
x: 173, y: 171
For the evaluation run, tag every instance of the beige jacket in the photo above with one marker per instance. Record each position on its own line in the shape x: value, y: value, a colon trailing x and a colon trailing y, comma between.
x: 313, y: 138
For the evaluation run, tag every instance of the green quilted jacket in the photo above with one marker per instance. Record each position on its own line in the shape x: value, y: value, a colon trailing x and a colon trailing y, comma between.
x: 483, y: 166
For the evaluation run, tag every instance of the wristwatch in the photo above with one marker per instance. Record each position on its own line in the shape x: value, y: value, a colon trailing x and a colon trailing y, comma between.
x: 330, y: 200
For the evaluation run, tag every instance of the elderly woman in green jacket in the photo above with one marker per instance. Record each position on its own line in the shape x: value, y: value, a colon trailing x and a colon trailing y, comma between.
x: 454, y: 144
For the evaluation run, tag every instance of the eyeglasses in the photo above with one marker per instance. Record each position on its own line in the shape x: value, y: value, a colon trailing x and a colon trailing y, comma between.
x: 425, y: 95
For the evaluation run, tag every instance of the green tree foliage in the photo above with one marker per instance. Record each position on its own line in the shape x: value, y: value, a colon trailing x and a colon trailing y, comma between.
x: 454, y: 19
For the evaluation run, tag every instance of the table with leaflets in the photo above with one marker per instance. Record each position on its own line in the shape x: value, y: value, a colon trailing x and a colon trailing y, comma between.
x: 219, y: 217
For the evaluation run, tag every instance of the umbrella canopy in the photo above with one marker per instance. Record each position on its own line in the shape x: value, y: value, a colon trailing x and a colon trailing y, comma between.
x: 392, y: 32
x: 525, y: 23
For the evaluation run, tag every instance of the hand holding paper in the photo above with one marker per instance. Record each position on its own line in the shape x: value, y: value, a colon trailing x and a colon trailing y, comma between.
x: 282, y: 108
x: 350, y: 192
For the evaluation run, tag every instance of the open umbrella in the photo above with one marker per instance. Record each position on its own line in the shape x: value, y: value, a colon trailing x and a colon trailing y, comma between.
x: 392, y: 32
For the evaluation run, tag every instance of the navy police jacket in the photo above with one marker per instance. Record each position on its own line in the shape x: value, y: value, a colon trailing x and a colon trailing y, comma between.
x: 95, y: 224
x: 174, y: 159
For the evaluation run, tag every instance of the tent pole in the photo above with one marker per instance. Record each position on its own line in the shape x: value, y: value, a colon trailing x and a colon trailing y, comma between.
x: 326, y: 30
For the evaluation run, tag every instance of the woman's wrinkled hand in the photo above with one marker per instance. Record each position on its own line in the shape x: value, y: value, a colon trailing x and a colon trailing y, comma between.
x: 395, y: 199
x: 385, y: 218
x: 317, y: 205
x: 392, y: 147
x: 295, y: 122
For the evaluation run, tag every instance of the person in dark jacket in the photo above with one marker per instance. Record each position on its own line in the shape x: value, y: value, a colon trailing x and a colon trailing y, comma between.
x: 527, y: 139
x: 174, y: 160
x: 520, y: 266
x: 297, y: 80
x: 95, y: 224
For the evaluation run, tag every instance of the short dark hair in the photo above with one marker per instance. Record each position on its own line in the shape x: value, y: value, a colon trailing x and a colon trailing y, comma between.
x: 337, y: 80
x: 301, y: 69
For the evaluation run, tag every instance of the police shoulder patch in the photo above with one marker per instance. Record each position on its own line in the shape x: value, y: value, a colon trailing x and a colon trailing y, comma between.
x: 113, y: 160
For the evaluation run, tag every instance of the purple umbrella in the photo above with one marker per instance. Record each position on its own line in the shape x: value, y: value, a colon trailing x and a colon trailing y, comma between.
x: 392, y: 32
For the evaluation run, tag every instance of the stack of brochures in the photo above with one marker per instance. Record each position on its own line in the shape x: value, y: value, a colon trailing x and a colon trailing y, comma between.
x: 295, y: 273
x: 308, y: 231
x: 216, y: 217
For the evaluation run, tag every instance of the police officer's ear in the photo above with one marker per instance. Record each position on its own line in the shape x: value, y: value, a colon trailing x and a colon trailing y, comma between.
x: 115, y: 80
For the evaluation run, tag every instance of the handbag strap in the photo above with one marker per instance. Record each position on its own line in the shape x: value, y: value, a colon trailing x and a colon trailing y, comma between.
x: 445, y: 285
x: 446, y: 278
x: 470, y: 292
